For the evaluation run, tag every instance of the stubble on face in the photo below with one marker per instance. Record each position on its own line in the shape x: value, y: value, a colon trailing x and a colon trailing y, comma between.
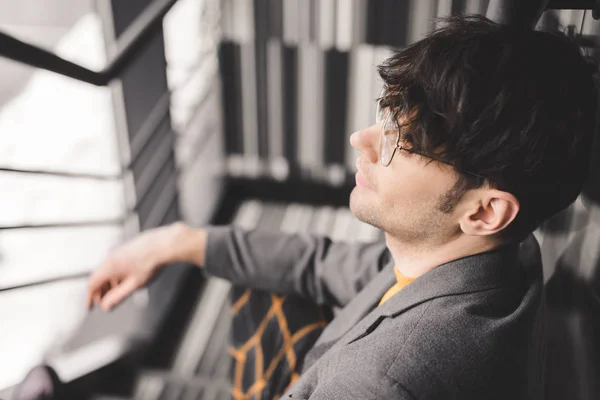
x: 407, y: 220
x: 364, y: 210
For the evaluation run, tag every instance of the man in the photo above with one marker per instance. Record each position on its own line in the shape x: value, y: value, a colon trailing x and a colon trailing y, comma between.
x: 482, y: 133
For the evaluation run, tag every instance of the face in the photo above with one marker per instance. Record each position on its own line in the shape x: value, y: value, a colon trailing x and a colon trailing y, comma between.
x: 403, y: 199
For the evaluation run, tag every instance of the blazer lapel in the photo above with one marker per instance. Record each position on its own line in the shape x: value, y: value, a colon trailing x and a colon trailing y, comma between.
x: 364, y: 302
x: 483, y: 271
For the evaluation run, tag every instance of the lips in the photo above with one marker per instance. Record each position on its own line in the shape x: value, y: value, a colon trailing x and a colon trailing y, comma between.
x: 360, y: 177
x: 362, y: 181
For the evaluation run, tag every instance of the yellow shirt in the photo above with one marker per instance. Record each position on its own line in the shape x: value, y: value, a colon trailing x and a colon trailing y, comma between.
x: 401, y: 281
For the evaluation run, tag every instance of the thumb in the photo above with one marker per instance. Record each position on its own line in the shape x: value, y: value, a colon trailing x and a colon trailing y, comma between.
x: 118, y: 293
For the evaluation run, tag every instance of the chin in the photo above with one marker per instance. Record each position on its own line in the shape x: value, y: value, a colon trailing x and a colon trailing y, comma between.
x: 363, y: 207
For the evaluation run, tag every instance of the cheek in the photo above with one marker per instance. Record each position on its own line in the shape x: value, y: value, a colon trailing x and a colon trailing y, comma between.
x: 400, y: 184
x: 408, y: 193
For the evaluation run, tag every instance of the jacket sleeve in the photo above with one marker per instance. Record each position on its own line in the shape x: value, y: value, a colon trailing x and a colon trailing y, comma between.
x: 313, y: 267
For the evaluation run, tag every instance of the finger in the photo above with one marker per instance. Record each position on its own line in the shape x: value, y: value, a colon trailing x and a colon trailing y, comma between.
x: 94, y: 297
x: 97, y: 280
x: 88, y: 300
x: 89, y: 295
x: 98, y: 298
x: 94, y: 294
x: 118, y: 293
x: 95, y: 283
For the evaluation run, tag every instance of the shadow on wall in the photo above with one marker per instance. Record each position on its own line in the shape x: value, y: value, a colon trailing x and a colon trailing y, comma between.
x: 571, y: 254
x: 573, y: 361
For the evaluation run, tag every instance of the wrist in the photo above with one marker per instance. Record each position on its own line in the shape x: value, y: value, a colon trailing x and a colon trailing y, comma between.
x: 189, y: 244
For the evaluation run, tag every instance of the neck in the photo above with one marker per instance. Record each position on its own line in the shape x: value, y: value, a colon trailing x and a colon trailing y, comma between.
x: 413, y: 260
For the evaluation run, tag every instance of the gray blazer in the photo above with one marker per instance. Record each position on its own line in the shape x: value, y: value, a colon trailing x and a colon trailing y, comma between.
x: 473, y: 328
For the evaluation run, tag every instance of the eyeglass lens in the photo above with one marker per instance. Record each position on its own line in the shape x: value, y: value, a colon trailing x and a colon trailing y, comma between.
x: 388, y: 137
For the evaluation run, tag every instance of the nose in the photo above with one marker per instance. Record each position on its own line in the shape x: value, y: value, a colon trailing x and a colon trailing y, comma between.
x: 367, y: 142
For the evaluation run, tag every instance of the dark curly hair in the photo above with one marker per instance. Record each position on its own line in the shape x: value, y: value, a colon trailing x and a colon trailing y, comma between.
x: 514, y: 106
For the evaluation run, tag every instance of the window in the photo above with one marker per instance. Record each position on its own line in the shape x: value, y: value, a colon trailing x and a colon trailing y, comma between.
x: 62, y: 198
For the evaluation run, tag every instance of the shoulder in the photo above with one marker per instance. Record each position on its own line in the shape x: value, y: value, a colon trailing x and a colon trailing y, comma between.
x: 463, y: 345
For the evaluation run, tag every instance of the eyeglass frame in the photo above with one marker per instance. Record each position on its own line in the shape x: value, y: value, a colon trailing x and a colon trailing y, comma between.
x: 399, y: 147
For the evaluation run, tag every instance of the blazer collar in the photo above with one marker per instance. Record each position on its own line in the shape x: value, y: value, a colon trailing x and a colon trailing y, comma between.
x: 474, y: 273
x: 359, y: 307
x: 484, y: 271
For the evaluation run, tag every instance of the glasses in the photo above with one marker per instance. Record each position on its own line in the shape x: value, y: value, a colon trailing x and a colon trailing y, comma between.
x: 389, y: 141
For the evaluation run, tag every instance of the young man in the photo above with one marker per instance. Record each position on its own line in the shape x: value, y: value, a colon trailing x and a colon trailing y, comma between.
x: 482, y: 133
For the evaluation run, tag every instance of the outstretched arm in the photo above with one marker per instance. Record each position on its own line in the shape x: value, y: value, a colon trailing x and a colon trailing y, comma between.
x: 313, y: 267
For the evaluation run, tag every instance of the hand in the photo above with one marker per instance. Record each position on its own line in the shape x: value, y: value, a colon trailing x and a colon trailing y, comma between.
x: 133, y: 264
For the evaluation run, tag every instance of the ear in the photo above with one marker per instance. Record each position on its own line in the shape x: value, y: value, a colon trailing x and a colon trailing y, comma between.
x: 491, y: 213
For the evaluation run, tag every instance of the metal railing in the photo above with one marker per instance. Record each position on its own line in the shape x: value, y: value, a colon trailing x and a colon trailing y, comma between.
x: 130, y: 43
x: 39, y: 282
x: 137, y: 35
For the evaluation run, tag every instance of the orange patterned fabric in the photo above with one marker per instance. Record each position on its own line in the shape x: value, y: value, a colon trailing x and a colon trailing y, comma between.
x: 271, y: 335
x: 401, y: 282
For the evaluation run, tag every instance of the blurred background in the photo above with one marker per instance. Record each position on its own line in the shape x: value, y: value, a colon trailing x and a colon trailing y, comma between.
x: 121, y: 116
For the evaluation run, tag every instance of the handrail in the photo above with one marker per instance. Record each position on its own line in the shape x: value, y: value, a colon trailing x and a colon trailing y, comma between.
x: 62, y: 174
x: 77, y: 224
x: 40, y: 282
x: 131, y: 42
